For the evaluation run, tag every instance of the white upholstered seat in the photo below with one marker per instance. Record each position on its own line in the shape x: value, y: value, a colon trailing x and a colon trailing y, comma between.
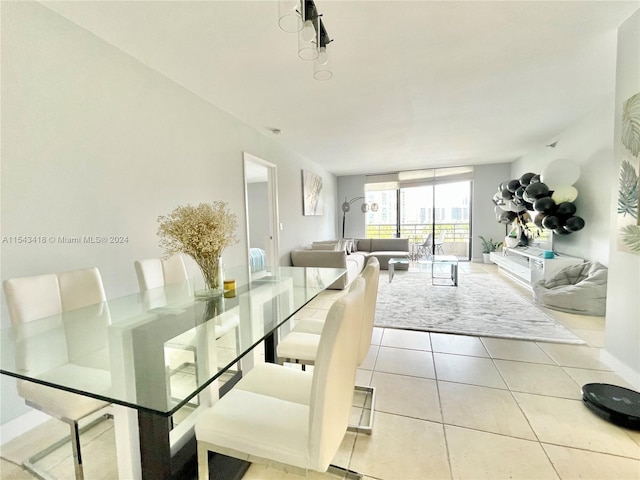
x: 76, y: 359
x: 276, y: 415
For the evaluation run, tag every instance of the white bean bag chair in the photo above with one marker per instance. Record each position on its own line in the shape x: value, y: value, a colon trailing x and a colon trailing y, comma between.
x: 578, y: 289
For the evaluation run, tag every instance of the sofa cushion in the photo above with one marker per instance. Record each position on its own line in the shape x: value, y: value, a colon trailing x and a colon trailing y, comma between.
x: 363, y: 244
x: 328, y: 245
x: 389, y: 244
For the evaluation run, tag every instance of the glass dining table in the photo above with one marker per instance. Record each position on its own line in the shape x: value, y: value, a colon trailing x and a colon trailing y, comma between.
x: 157, y: 354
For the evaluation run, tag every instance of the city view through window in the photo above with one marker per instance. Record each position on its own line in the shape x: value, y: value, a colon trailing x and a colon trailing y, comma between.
x: 415, y: 212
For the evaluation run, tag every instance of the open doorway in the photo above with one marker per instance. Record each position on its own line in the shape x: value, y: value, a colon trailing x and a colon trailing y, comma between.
x: 261, y: 200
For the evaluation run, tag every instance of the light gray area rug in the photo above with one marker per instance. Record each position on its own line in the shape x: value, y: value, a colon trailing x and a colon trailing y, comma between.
x: 482, y: 305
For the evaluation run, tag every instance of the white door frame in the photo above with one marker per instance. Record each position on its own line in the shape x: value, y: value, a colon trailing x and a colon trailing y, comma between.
x: 273, y: 241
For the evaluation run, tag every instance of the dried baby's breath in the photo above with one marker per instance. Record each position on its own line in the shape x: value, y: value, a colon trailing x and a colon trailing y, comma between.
x: 202, y: 232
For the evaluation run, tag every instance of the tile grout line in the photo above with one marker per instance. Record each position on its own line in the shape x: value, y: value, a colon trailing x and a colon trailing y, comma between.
x: 535, y: 434
x: 444, y: 430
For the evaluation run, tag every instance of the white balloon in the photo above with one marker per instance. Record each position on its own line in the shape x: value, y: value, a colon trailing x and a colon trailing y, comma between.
x: 566, y: 193
x: 559, y: 173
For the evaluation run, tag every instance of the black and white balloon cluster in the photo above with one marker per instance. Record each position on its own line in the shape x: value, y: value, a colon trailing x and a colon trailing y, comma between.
x: 551, y: 194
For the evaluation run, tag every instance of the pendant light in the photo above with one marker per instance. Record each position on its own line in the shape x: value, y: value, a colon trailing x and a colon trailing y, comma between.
x: 290, y: 15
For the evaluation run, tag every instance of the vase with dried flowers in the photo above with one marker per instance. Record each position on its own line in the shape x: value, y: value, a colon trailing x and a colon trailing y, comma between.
x: 202, y: 231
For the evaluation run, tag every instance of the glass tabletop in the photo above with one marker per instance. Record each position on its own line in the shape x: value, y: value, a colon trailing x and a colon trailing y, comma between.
x: 127, y: 350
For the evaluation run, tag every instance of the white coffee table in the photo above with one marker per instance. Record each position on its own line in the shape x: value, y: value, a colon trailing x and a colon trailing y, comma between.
x: 396, y: 261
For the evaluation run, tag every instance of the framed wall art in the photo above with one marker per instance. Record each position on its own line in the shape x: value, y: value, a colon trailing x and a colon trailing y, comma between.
x: 312, y: 201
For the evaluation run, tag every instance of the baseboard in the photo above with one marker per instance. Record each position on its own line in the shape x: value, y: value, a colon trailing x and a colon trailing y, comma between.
x: 18, y: 426
x: 627, y: 373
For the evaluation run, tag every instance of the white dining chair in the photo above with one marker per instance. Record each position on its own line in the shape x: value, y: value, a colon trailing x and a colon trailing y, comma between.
x: 284, y: 417
x: 33, y: 298
x: 301, y: 344
x: 439, y: 242
x: 425, y: 248
x: 157, y: 272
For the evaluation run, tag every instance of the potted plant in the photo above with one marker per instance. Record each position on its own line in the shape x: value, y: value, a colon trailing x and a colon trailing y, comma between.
x: 488, y: 246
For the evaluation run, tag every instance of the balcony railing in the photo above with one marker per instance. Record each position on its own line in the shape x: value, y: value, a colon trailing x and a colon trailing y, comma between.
x: 456, y: 235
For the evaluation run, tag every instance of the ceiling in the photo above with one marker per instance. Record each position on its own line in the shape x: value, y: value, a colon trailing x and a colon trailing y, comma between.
x: 416, y: 84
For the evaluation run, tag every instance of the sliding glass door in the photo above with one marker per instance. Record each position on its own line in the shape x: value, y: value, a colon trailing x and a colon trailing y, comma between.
x: 438, y: 214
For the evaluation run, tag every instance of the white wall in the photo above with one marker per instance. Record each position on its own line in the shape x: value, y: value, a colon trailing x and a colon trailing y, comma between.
x: 486, y: 179
x: 96, y: 143
x: 351, y: 186
x: 622, y: 337
x: 587, y: 143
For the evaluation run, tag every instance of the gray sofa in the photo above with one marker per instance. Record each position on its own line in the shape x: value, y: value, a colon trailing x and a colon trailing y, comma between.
x: 355, y: 260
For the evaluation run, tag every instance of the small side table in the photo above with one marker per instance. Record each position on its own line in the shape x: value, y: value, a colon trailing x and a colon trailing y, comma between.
x: 453, y: 277
x: 393, y: 262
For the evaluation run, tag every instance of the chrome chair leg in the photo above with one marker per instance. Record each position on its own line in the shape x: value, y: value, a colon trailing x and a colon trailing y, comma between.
x: 30, y: 463
x: 366, y: 426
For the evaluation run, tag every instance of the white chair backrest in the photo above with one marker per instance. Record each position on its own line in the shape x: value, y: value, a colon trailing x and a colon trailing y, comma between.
x: 371, y: 275
x: 334, y: 377
x: 80, y: 288
x: 155, y: 272
x: 174, y: 270
x: 64, y: 339
x: 40, y: 346
x: 149, y: 272
x: 428, y: 241
x: 31, y: 298
x: 85, y: 330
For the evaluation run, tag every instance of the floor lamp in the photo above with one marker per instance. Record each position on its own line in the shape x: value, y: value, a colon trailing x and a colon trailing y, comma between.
x: 364, y: 208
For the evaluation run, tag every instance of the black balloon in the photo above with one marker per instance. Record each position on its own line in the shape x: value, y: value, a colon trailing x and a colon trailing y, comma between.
x: 513, y: 185
x: 561, y: 231
x: 551, y: 222
x: 528, y: 199
x: 528, y: 205
x: 526, y: 179
x: 507, y: 217
x: 506, y: 194
x: 537, y: 190
x: 566, y: 209
x: 573, y: 224
x: 519, y: 192
x: 538, y: 220
x: 535, y: 179
x: 545, y: 205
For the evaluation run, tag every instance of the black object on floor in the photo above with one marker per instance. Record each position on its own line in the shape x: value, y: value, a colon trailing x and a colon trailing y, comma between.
x: 616, y: 404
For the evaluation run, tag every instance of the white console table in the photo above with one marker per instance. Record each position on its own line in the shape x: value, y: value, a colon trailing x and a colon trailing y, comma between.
x: 527, y: 265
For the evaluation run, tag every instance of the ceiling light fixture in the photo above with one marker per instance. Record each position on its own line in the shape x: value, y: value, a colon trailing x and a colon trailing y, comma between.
x: 289, y: 15
x: 302, y: 17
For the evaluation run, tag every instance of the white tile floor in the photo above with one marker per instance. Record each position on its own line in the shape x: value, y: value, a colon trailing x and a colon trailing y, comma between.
x: 458, y: 407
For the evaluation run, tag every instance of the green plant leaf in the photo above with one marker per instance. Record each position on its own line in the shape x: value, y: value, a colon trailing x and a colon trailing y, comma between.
x: 628, y: 193
x: 631, y: 237
x: 631, y: 125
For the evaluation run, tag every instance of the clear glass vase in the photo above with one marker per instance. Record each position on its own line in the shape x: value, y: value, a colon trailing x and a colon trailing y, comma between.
x: 213, y: 273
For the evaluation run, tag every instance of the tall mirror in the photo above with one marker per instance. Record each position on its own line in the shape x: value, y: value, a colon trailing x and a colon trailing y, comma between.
x: 261, y: 194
